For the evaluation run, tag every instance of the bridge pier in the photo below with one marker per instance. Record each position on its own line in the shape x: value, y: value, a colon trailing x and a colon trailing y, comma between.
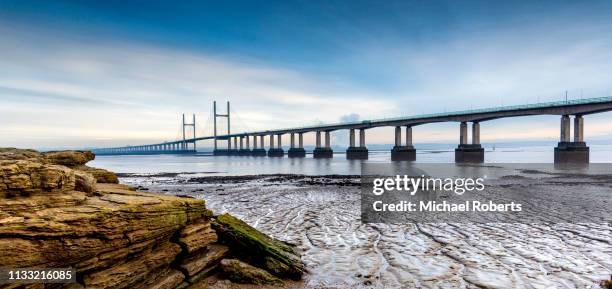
x: 297, y: 152
x: 357, y: 152
x: 403, y: 153
x: 232, y: 150
x: 216, y: 151
x: 322, y: 152
x: 244, y: 151
x: 258, y: 152
x: 572, y: 151
x: 276, y: 151
x: 469, y: 153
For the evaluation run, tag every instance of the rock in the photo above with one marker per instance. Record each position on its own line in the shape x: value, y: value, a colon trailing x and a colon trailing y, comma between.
x: 20, y: 154
x: 69, y: 158
x: 101, y: 175
x: 91, y: 227
x: 240, y: 272
x: 201, y: 285
x: 277, y: 257
x: 136, y: 271
x: 84, y: 182
x: 197, y: 236
x: 24, y: 177
x: 169, y: 280
x: 205, y: 258
x: 606, y: 284
x: 55, y: 216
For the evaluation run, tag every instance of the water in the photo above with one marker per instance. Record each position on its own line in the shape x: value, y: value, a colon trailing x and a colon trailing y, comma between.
x: 235, y: 165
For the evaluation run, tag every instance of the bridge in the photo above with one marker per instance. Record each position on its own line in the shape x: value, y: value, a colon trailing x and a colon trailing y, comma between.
x: 571, y: 148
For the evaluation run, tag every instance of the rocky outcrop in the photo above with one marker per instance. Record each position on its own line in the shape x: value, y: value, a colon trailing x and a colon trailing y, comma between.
x: 275, y: 256
x: 101, y: 175
x: 242, y: 272
x: 72, y: 159
x: 69, y: 158
x: 54, y: 212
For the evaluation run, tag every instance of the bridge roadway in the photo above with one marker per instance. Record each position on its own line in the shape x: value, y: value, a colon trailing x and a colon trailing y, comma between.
x: 568, y: 150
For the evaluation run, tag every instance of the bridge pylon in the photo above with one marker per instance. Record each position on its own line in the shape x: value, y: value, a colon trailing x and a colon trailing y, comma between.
x: 217, y: 151
x: 185, y: 144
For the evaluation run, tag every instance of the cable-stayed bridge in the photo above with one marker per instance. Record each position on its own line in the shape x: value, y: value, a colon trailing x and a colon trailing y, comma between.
x: 571, y: 147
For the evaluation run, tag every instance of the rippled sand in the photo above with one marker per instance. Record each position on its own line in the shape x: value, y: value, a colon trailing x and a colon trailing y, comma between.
x: 321, y: 216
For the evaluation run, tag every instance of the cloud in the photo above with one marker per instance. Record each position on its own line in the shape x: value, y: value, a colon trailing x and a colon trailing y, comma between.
x: 114, y: 93
x: 59, y: 90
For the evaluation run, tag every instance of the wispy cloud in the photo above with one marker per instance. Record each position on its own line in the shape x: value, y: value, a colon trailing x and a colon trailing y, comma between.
x: 118, y: 92
x: 60, y: 89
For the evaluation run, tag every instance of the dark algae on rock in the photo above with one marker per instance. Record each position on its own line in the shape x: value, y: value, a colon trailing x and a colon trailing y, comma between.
x: 276, y: 256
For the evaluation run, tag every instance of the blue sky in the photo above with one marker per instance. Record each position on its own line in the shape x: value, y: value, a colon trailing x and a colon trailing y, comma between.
x: 97, y: 73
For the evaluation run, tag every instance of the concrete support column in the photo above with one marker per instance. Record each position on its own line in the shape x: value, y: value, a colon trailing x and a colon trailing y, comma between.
x: 565, y: 128
x: 276, y: 151
x: 408, y: 136
x: 476, y: 133
x: 235, y: 143
x: 292, y: 140
x: 244, y: 146
x: 301, y: 140
x: 360, y: 152
x: 362, y: 143
x: 578, y: 128
x: 322, y: 152
x: 398, y: 136
x: 258, y: 151
x: 296, y: 152
x: 248, y: 144
x: 463, y: 137
x: 568, y: 152
x: 352, y: 137
x: 469, y: 153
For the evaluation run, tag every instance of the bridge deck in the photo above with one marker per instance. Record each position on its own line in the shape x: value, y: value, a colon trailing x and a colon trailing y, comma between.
x: 578, y: 106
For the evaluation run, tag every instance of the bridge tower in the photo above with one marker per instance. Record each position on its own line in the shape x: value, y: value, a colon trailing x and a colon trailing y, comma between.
x: 184, y: 144
x: 217, y: 151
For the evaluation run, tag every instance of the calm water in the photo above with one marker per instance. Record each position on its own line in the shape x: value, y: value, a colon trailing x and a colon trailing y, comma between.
x: 235, y: 165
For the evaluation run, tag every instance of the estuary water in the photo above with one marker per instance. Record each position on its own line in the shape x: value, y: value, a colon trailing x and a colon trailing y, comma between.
x: 204, y: 163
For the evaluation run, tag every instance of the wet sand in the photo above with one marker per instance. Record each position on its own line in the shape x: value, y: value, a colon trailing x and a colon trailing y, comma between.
x: 321, y: 215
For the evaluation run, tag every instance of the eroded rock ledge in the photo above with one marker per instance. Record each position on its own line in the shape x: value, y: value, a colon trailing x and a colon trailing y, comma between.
x: 57, y: 212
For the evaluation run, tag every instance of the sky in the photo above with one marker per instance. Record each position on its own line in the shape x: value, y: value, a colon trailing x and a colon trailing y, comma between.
x: 77, y: 74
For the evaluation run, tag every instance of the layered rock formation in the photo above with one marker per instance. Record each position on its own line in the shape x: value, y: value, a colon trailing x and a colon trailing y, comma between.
x: 55, y: 212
